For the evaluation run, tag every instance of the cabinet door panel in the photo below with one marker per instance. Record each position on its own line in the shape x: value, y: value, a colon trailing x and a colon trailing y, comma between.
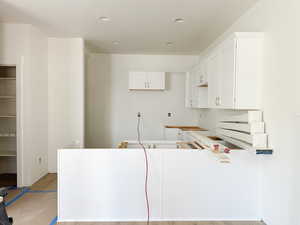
x: 190, y: 100
x: 227, y: 75
x: 213, y: 69
x: 204, y: 71
x: 188, y: 96
x: 137, y: 80
x: 156, y: 80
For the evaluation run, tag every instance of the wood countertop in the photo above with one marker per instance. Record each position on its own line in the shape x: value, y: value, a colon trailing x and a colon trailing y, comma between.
x: 187, y: 128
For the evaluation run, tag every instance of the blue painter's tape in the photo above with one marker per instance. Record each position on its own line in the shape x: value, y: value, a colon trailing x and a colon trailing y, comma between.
x: 12, y: 188
x: 54, y: 221
x: 24, y: 191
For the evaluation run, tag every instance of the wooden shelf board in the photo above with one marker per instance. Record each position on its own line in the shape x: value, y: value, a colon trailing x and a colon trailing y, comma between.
x: 7, y: 136
x: 202, y: 85
x: 8, y: 116
x: 7, y: 97
x: 7, y: 78
x: 7, y: 153
x: 187, y: 128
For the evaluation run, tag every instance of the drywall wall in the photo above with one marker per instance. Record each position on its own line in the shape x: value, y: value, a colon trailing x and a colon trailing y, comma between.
x: 35, y: 107
x: 111, y: 109
x: 26, y: 47
x: 280, y: 172
x: 65, y: 96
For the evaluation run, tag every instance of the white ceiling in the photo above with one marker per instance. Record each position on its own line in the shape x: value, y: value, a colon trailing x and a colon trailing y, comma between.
x: 140, y: 26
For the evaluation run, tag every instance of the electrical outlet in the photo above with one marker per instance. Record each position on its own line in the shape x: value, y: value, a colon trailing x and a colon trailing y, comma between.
x: 139, y: 114
x: 39, y: 160
x: 169, y: 114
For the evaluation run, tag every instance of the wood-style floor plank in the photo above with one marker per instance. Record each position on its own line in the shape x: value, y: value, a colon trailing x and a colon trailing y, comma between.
x: 169, y: 223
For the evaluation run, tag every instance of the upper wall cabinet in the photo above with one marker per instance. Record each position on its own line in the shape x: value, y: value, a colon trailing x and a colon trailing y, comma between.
x: 196, y: 88
x: 147, y: 80
x: 234, y: 69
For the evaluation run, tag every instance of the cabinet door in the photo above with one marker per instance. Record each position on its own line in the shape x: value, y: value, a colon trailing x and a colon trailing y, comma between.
x: 227, y: 75
x: 213, y: 70
x: 137, y: 80
x: 187, y: 90
x: 156, y: 80
x: 204, y: 77
x: 199, y: 76
x: 194, y: 89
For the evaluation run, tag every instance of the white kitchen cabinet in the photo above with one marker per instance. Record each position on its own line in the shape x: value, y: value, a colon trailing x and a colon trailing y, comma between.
x: 147, y: 80
x: 196, y: 88
x: 213, y: 69
x: 190, y: 93
x: 202, y: 78
x: 234, y: 71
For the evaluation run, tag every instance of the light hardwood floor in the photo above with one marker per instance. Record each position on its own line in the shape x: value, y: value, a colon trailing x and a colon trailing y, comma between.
x: 172, y: 223
x: 35, y: 208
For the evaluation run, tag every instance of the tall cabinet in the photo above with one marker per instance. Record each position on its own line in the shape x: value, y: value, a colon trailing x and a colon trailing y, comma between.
x: 8, y: 126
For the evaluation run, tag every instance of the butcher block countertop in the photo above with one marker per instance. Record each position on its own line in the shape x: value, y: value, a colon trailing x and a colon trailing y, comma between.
x: 187, y: 128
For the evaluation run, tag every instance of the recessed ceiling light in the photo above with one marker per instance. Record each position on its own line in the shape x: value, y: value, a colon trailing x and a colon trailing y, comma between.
x: 178, y: 20
x: 116, y: 42
x: 104, y: 18
x: 169, y: 43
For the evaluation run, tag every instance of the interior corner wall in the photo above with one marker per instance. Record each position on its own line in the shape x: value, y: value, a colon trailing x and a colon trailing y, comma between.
x: 25, y: 46
x: 111, y: 109
x: 35, y: 107
x: 279, y: 20
x: 65, y: 96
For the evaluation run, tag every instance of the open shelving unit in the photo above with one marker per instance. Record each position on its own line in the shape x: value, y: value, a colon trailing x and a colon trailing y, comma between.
x: 8, y: 126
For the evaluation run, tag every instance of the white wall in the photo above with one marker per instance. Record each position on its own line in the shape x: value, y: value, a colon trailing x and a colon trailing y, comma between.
x: 111, y: 109
x: 26, y: 47
x: 35, y: 110
x: 65, y: 95
x: 280, y: 21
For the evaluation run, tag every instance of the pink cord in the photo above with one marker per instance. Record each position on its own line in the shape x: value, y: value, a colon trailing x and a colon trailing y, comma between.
x: 147, y: 172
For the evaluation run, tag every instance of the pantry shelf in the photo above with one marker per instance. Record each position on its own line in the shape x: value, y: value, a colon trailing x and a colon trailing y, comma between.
x: 8, y: 153
x: 7, y: 116
x: 7, y: 97
x: 7, y: 135
x: 7, y: 78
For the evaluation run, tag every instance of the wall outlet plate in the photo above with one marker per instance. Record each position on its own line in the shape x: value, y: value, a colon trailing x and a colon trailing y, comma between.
x: 39, y: 160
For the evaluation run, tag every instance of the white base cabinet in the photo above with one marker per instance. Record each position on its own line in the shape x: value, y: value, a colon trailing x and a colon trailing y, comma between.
x: 234, y: 70
x: 184, y: 185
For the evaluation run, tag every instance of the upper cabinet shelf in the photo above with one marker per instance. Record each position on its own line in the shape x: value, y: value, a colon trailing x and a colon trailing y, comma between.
x: 204, y: 84
x: 147, y: 80
x: 234, y: 71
